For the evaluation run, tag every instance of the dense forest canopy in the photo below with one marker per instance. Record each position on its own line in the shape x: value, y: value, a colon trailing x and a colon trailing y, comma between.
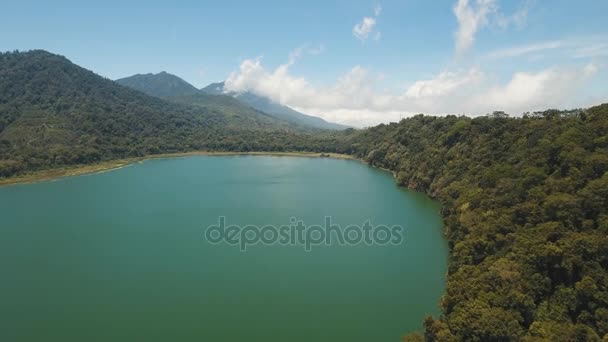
x: 525, y: 203
x: 524, y: 199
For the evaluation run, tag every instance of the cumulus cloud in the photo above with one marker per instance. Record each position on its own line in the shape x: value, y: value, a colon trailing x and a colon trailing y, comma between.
x: 354, y: 97
x: 536, y: 91
x: 364, y: 29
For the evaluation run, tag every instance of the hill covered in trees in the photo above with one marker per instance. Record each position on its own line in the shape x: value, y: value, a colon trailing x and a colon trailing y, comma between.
x: 173, y: 88
x: 525, y: 203
x: 524, y: 199
x: 55, y: 113
x: 161, y: 85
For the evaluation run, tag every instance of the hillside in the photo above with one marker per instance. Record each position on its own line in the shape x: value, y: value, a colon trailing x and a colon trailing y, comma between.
x: 275, y: 109
x: 159, y: 85
x: 230, y: 107
x: 525, y: 203
x: 55, y: 113
x: 169, y: 86
x: 166, y: 86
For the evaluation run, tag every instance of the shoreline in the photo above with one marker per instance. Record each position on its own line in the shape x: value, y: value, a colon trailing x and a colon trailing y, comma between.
x: 89, y: 169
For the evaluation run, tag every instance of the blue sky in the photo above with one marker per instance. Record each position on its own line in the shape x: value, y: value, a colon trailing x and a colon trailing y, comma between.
x: 357, y: 62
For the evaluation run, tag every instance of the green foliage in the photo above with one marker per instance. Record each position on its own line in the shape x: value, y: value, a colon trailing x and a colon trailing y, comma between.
x: 526, y: 213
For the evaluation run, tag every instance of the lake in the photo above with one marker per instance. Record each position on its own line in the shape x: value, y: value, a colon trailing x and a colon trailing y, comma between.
x: 123, y: 255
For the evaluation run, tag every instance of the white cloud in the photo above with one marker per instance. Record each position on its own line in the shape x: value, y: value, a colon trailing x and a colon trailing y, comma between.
x: 549, y: 88
x: 473, y: 15
x: 524, y: 50
x: 470, y: 20
x: 356, y: 117
x: 443, y: 84
x: 278, y: 85
x: 517, y: 19
x: 364, y: 29
x: 568, y: 48
x: 355, y: 99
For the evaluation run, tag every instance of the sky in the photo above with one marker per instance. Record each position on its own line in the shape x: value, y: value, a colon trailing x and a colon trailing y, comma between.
x: 354, y: 62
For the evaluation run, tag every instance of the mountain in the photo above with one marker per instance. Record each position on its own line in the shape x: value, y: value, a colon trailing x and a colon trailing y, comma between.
x: 214, y: 88
x: 277, y: 110
x: 174, y: 89
x: 163, y: 85
x: 233, y: 109
x: 166, y: 86
x: 55, y: 113
x: 160, y: 85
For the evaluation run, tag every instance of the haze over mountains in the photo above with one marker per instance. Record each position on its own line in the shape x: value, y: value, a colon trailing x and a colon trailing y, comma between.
x: 166, y: 85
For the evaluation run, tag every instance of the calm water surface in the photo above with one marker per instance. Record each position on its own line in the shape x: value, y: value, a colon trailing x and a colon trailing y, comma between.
x: 120, y: 256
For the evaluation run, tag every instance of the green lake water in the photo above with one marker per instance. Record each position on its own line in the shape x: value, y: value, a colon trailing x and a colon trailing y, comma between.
x: 121, y: 255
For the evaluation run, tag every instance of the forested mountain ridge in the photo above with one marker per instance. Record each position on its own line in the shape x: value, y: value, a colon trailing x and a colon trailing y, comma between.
x: 55, y: 113
x: 524, y: 199
x: 161, y: 85
x: 525, y: 203
x: 173, y: 88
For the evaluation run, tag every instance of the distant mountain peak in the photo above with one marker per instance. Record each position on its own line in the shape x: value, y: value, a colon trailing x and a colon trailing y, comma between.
x: 166, y: 85
x: 162, y: 84
x: 214, y: 88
